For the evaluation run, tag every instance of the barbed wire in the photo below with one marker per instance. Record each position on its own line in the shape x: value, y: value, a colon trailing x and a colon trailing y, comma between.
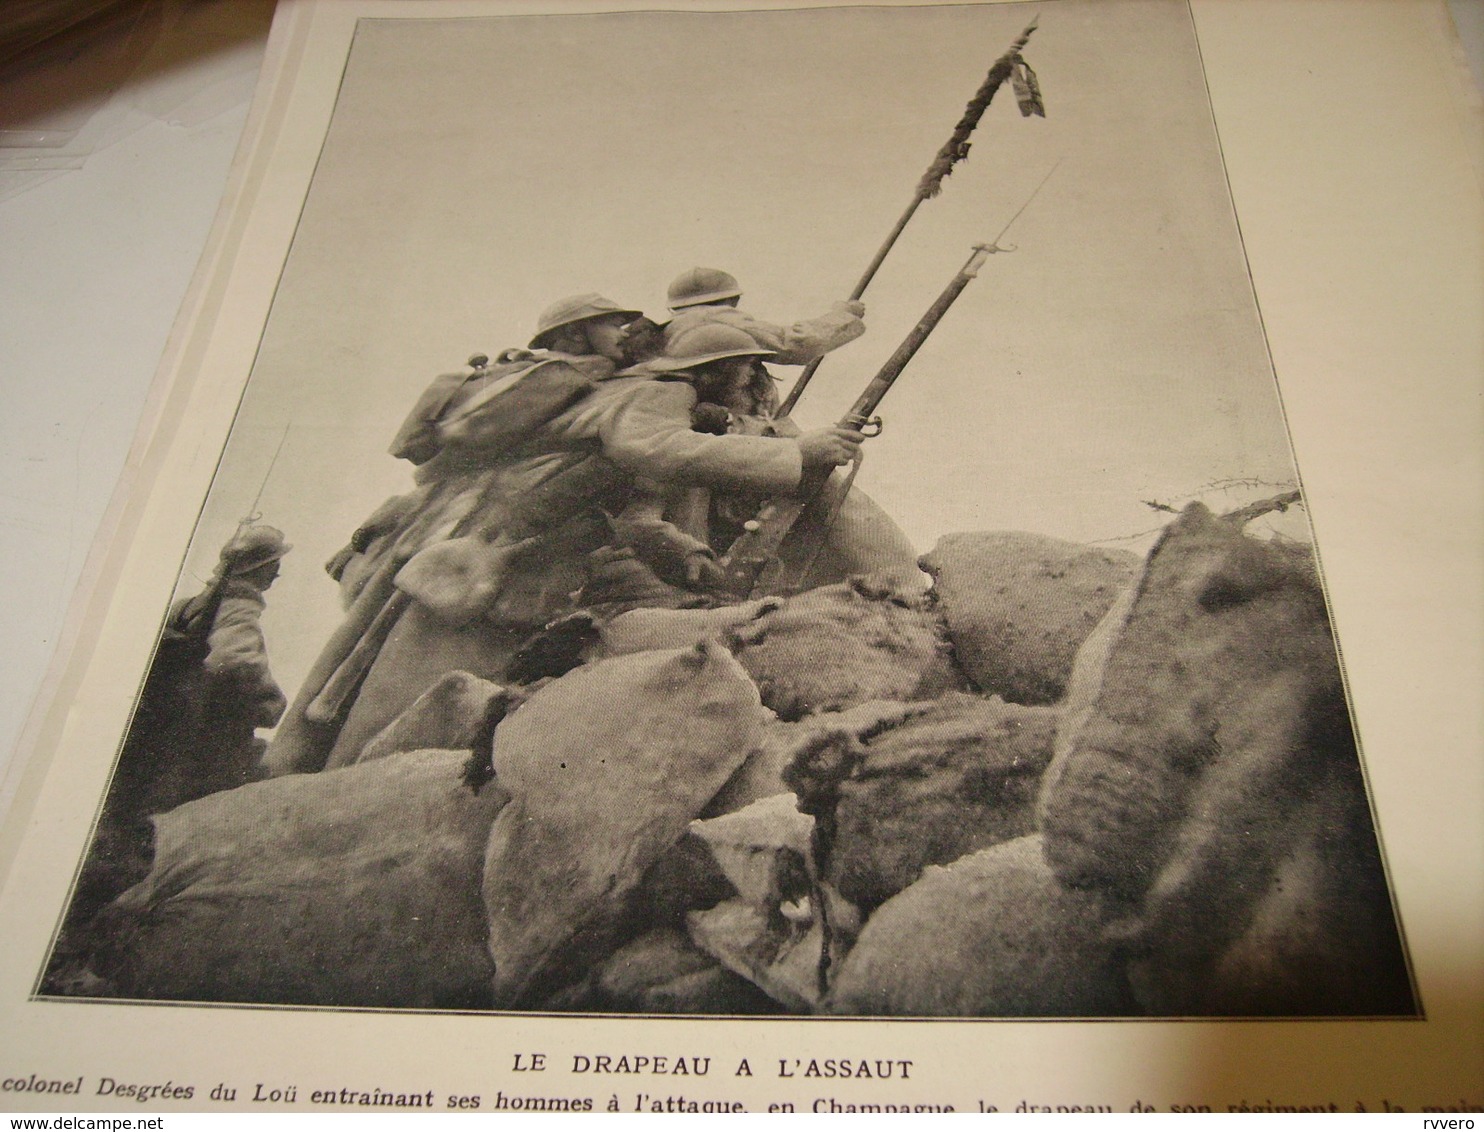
x: 1288, y: 495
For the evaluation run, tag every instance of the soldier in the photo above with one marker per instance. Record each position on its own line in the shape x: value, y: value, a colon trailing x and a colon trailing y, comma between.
x: 500, y: 541
x: 706, y: 294
x: 210, y: 687
x: 845, y: 531
x: 464, y: 420
x: 227, y: 615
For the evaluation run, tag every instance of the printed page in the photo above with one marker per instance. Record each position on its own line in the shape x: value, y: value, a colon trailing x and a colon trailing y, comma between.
x: 505, y: 698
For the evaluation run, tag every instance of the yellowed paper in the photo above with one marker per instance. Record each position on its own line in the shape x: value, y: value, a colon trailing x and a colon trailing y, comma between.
x: 1249, y: 262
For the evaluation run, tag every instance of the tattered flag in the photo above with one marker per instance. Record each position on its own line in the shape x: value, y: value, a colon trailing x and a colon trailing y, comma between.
x: 1027, y: 90
x: 1008, y: 66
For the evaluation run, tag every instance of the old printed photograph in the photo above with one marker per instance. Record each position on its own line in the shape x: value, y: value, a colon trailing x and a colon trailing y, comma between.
x: 753, y: 513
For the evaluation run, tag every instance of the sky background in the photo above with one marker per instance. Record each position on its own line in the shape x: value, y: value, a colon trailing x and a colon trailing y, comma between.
x: 477, y: 169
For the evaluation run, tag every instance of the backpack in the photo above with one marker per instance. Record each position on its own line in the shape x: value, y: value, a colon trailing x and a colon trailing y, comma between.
x: 492, y: 407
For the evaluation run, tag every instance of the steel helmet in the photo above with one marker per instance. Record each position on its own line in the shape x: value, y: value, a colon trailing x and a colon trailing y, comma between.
x: 701, y: 285
x: 709, y: 342
x: 576, y: 308
x: 251, y: 548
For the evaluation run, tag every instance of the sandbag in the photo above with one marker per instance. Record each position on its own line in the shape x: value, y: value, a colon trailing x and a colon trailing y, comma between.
x: 352, y: 887
x: 1018, y: 606
x: 992, y: 935
x: 458, y: 713
x: 962, y: 776
x: 1215, y: 787
x: 762, y: 849
x: 762, y: 775
x: 778, y: 957
x: 1218, y: 620
x: 662, y: 972
x: 585, y: 636
x: 841, y: 645
x: 606, y: 767
x: 641, y: 629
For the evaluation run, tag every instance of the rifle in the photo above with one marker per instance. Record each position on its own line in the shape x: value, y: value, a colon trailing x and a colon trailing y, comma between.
x: 745, y: 566
x: 206, y: 602
x: 252, y: 515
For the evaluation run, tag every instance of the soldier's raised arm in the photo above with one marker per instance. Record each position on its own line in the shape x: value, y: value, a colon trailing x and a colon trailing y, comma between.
x: 705, y: 295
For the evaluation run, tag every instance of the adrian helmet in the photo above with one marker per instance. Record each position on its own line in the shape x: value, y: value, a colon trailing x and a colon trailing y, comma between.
x: 252, y: 547
x: 701, y: 285
x: 576, y: 308
x: 709, y: 342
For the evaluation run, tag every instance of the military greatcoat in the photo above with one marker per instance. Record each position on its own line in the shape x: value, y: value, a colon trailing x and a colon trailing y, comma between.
x: 554, y: 491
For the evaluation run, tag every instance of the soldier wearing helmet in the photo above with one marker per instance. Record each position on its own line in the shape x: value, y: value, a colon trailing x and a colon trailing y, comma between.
x: 705, y: 294
x: 471, y: 414
x: 726, y: 370
x: 209, y: 688
x: 540, y: 499
x: 226, y: 615
x: 468, y: 420
x: 724, y: 365
x: 585, y: 325
x: 194, y: 727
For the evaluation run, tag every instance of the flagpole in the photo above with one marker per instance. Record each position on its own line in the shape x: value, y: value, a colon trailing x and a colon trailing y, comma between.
x: 1008, y: 66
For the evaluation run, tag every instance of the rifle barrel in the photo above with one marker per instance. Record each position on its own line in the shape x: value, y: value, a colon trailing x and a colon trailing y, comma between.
x: 872, y: 395
x: 743, y: 564
x: 954, y: 150
x: 860, y: 289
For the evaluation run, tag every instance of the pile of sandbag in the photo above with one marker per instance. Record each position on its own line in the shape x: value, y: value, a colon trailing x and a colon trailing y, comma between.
x: 1056, y: 786
x: 305, y: 889
x: 352, y: 887
x: 842, y: 645
x: 606, y: 768
x: 885, y: 791
x: 1204, y: 845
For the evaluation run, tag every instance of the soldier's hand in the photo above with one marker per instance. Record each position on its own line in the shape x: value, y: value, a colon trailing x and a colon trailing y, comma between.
x: 830, y: 447
x: 855, y: 307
